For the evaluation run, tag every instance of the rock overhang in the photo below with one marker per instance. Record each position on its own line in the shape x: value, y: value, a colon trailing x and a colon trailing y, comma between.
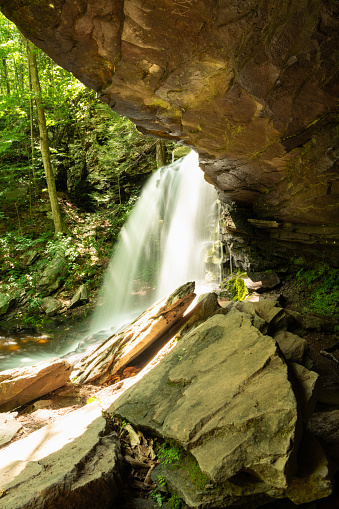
x: 252, y: 87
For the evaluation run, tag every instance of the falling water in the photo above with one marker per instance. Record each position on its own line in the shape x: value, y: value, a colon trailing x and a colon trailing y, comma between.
x: 170, y: 238
x: 163, y: 244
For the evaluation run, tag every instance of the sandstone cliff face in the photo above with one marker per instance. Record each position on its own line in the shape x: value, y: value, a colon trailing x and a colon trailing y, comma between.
x: 251, y: 85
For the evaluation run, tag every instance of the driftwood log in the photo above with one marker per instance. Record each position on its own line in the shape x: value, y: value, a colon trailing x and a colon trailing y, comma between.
x: 119, y: 350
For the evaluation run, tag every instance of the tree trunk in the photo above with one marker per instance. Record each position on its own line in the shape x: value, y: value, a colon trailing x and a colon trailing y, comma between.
x: 4, y: 65
x: 31, y: 110
x: 160, y: 153
x: 59, y: 224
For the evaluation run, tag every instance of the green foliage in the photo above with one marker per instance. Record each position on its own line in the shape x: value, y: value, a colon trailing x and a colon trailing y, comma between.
x: 158, y: 497
x: 236, y: 286
x: 321, y: 286
x: 161, y: 480
x: 168, y: 453
x: 175, y: 502
x: 91, y: 399
x: 123, y: 424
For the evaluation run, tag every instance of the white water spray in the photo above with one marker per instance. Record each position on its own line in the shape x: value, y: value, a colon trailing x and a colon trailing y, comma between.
x: 162, y: 246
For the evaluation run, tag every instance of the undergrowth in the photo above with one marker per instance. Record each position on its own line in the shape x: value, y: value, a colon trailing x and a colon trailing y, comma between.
x: 321, y: 288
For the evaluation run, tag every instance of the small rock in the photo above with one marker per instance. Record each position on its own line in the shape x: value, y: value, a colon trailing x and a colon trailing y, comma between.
x: 80, y: 297
x: 314, y: 322
x: 324, y: 426
x: 29, y: 257
x: 312, y: 480
x: 42, y: 403
x: 293, y: 347
x: 261, y: 281
x: 51, y: 306
x: 306, y: 388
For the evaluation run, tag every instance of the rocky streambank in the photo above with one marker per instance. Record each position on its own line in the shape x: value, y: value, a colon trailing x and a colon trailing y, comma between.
x: 232, y: 408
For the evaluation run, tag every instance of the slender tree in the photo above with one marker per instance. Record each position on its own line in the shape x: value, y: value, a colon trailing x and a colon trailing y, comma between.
x: 59, y: 224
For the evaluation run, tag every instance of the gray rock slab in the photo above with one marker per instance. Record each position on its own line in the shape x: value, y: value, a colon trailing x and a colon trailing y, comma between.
x: 9, y: 426
x: 306, y: 388
x: 293, y: 347
x: 223, y: 393
x: 66, y: 464
x: 22, y: 385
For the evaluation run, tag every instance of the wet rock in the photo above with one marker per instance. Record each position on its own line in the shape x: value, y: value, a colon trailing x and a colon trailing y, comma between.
x: 9, y: 426
x: 212, y: 394
x: 80, y: 297
x: 293, y: 347
x: 51, y: 306
x: 22, y: 385
x: 70, y: 463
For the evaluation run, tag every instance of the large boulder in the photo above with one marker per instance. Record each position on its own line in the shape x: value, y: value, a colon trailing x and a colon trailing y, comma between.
x: 22, y: 385
x: 226, y: 396
x: 70, y: 463
x: 212, y: 395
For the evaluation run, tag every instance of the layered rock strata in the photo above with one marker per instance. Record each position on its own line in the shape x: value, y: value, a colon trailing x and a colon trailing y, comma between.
x: 252, y: 86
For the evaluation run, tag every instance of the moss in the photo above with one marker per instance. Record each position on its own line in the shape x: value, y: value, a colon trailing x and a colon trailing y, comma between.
x: 236, y: 286
x: 198, y: 478
x: 320, y: 285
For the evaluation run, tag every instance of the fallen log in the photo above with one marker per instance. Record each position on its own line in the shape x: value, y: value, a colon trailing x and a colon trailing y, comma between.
x: 119, y: 350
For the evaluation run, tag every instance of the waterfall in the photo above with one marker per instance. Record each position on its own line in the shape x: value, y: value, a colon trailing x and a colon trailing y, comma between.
x: 162, y: 245
x: 170, y: 238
